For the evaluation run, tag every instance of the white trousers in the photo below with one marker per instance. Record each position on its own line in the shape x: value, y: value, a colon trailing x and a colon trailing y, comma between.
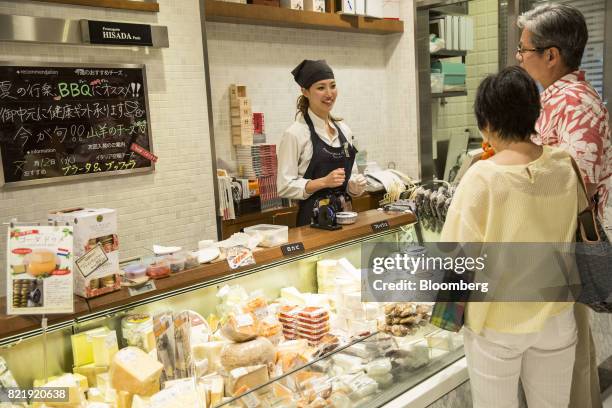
x: 543, y: 361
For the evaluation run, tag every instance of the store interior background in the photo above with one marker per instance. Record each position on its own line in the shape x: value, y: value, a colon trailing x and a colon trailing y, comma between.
x: 173, y: 205
x: 375, y: 77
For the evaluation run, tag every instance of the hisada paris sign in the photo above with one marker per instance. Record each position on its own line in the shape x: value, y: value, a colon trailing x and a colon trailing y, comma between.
x: 108, y: 32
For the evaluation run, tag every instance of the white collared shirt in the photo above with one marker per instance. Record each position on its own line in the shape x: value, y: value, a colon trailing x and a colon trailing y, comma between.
x: 295, y: 153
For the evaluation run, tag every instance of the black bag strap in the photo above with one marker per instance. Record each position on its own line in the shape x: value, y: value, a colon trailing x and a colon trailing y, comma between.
x: 587, y: 219
x: 580, y: 179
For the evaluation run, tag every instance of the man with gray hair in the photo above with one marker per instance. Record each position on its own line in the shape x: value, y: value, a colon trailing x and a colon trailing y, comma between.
x: 575, y: 119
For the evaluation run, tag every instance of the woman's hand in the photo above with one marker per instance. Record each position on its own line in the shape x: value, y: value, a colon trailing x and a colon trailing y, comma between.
x: 335, y: 178
x: 357, y: 185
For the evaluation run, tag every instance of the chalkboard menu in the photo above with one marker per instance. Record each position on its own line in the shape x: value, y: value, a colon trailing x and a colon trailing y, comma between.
x: 64, y: 122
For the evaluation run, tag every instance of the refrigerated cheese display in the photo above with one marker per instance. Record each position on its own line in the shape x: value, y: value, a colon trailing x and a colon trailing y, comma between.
x: 290, y: 333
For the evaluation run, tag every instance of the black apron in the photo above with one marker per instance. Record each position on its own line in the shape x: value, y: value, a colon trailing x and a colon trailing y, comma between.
x: 325, y: 159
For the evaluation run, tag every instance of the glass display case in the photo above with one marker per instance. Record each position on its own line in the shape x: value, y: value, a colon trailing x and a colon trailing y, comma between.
x: 352, y: 364
x: 368, y: 372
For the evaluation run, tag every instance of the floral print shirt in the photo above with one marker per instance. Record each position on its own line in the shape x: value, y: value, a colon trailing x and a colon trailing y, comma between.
x: 575, y: 119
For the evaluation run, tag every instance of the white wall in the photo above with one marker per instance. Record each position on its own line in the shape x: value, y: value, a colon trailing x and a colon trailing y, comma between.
x: 173, y: 205
x: 375, y: 76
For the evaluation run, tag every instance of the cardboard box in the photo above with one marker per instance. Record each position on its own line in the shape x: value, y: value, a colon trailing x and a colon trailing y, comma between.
x: 93, y: 227
x: 315, y: 5
x: 237, y: 91
x: 345, y: 6
x: 293, y: 4
x: 360, y: 7
x: 374, y: 8
x: 391, y: 9
x: 240, y: 103
x: 273, y: 3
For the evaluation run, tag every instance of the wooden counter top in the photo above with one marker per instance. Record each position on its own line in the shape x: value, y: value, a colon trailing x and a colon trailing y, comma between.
x: 312, y: 238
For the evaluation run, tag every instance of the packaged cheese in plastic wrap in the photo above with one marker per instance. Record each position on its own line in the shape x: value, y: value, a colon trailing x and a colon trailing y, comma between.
x: 163, y: 328
x: 209, y: 352
x: 257, y: 305
x: 182, y: 352
x: 181, y: 393
x: 232, y: 298
x: 250, y: 353
x: 241, y: 327
x: 271, y: 329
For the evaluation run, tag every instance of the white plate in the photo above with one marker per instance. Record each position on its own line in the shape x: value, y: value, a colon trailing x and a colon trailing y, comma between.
x: 208, y: 254
x: 163, y: 250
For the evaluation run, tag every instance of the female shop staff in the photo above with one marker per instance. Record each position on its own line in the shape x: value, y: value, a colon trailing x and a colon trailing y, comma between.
x: 315, y: 158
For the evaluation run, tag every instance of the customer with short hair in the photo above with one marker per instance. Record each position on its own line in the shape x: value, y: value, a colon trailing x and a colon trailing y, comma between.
x: 575, y: 119
x: 508, y: 198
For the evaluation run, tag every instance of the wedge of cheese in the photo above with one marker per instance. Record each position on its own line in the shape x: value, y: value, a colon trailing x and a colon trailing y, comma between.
x: 140, y: 402
x: 210, y: 351
x: 104, y: 347
x: 95, y: 395
x: 280, y: 391
x: 250, y: 377
x: 75, y: 396
x: 183, y: 393
x: 98, y: 405
x: 124, y: 399
x: 82, y: 380
x: 214, y: 386
x: 134, y: 371
x: 103, y: 382
x: 90, y: 371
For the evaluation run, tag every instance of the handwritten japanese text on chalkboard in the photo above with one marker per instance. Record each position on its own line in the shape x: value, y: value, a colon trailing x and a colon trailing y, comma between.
x: 68, y: 121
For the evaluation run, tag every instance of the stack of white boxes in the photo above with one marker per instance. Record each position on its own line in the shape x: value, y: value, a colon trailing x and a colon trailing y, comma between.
x: 314, y: 5
x: 241, y: 116
x: 293, y: 4
x: 368, y: 8
x: 391, y: 9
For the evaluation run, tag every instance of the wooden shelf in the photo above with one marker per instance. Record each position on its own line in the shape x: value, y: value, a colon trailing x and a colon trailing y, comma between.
x: 448, y: 54
x: 115, y: 4
x: 12, y: 327
x: 448, y: 94
x: 20, y: 324
x: 225, y: 12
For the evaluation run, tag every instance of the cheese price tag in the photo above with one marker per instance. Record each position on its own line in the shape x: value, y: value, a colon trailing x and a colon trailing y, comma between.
x: 250, y: 400
x: 148, y: 286
x: 380, y: 226
x: 91, y: 261
x: 293, y: 249
x: 244, y: 320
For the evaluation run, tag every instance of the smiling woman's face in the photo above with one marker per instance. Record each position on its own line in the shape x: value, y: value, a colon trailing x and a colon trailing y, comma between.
x: 322, y: 96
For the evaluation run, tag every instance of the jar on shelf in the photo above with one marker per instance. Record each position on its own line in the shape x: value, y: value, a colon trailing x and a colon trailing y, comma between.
x: 137, y: 331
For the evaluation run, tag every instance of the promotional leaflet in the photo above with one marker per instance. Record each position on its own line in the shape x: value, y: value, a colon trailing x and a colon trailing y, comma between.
x: 40, y: 271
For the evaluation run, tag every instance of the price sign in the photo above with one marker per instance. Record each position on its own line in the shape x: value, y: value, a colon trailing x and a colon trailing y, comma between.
x: 146, y: 287
x: 380, y: 226
x: 293, y: 249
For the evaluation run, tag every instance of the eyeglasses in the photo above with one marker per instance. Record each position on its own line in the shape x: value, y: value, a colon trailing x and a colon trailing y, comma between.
x: 520, y: 50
